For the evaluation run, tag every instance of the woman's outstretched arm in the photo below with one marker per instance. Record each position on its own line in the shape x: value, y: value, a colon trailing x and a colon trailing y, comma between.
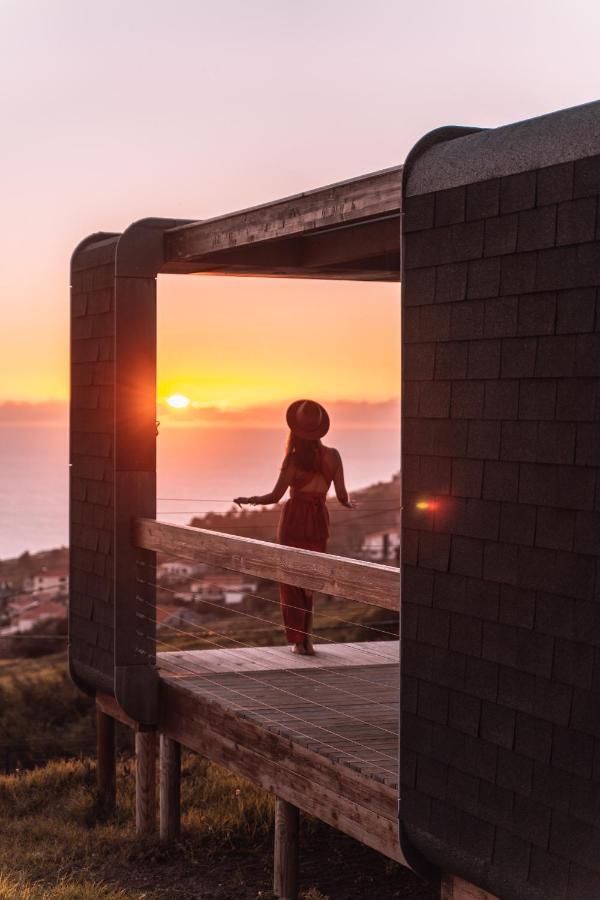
x: 339, y: 484
x: 281, y: 486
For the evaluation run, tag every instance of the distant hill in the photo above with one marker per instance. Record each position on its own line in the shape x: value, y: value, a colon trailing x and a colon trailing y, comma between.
x: 378, y: 507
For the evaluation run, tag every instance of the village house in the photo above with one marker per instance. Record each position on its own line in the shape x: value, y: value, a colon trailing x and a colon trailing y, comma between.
x: 173, y: 570
x: 382, y: 546
x: 23, y: 612
x: 224, y: 588
x: 48, y: 583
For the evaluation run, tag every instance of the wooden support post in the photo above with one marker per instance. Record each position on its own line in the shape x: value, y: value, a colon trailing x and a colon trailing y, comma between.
x: 170, y: 771
x: 285, y: 869
x: 106, y: 766
x: 145, y: 782
x: 454, y: 888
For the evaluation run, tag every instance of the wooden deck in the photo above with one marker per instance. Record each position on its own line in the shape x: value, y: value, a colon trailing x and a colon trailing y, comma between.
x: 320, y: 732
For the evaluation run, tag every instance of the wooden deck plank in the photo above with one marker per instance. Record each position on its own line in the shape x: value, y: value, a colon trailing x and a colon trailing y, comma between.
x: 320, y: 732
x: 367, y: 653
x: 348, y: 713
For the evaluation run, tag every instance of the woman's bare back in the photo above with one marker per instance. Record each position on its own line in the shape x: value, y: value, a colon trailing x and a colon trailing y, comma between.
x: 321, y: 480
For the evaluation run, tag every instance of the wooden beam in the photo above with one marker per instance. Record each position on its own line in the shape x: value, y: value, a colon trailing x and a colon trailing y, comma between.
x: 370, y: 196
x: 351, y: 246
x: 106, y: 772
x: 108, y: 705
x: 454, y: 888
x: 334, y: 793
x: 362, y: 250
x: 170, y: 776
x: 337, y: 576
x: 285, y: 853
x: 145, y: 782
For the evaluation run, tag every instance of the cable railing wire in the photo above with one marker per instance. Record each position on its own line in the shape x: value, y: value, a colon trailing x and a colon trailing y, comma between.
x: 267, y: 621
x: 192, y: 632
x: 295, y: 672
x: 253, y: 594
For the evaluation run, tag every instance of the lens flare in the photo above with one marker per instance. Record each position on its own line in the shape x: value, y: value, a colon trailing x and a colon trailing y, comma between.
x: 178, y: 401
x: 426, y: 504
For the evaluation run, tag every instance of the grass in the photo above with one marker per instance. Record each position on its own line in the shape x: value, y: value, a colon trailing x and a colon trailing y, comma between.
x: 55, y: 843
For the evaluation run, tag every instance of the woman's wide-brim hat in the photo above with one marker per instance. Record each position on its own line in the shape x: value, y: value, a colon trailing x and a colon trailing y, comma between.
x: 307, y: 419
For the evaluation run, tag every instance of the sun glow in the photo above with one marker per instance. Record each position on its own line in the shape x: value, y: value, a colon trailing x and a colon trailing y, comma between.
x: 178, y: 401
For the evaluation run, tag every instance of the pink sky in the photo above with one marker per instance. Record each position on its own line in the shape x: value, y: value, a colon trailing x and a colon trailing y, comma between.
x: 129, y: 108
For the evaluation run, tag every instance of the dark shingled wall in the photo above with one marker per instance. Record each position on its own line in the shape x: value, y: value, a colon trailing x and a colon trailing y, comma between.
x: 91, y: 606
x: 501, y: 596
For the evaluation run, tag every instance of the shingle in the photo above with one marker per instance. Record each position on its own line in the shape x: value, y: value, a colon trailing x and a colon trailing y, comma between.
x: 517, y: 192
x: 501, y: 317
x: 483, y: 199
x: 537, y: 314
x: 450, y: 206
x: 587, y: 177
x: 418, y: 212
x: 484, y: 359
x: 576, y: 221
x: 451, y: 282
x: 418, y: 287
x: 501, y: 235
x: 537, y: 228
x: 575, y: 311
x: 555, y: 183
x: 483, y: 278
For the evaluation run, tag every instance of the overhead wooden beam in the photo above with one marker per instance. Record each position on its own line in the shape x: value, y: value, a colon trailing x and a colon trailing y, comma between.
x: 369, y: 197
x: 365, y: 582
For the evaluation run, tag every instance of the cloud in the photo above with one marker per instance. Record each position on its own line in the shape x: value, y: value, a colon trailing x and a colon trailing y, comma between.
x: 49, y: 413
x: 343, y: 414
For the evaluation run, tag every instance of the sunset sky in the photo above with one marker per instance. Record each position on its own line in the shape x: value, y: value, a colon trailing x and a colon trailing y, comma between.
x: 130, y: 108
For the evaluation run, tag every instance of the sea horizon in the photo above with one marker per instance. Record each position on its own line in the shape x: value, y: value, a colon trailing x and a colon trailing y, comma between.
x: 199, y: 469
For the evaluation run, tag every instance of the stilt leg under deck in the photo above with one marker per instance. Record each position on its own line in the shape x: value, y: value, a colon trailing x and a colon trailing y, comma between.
x: 145, y: 782
x: 285, y: 872
x: 455, y: 888
x: 106, y: 774
x: 170, y: 771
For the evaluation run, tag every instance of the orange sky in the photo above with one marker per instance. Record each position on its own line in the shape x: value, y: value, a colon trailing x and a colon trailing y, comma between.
x: 231, y: 343
x: 116, y: 111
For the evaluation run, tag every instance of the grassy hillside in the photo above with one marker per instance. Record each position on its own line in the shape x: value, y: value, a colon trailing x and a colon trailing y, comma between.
x: 55, y: 843
x: 55, y: 846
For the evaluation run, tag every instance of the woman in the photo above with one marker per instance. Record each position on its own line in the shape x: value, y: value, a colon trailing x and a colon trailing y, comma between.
x: 308, y: 470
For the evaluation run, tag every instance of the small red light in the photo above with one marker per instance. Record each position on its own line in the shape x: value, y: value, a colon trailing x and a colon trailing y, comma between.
x: 426, y: 505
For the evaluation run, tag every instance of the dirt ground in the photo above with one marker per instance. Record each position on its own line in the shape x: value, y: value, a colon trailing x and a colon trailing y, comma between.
x: 332, y: 867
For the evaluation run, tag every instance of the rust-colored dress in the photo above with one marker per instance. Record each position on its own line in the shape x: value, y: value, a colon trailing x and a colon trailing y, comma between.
x: 304, y: 523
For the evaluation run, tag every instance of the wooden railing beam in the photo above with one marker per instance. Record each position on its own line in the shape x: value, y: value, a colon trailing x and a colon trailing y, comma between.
x: 352, y: 579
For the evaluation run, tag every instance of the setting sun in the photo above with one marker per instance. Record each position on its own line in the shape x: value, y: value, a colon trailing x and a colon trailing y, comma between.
x: 178, y: 401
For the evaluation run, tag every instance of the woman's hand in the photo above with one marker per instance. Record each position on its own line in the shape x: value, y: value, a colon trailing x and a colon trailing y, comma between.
x: 350, y: 504
x: 245, y: 500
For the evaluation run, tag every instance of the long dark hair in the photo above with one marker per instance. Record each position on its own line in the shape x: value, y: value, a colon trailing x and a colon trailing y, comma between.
x: 302, y: 452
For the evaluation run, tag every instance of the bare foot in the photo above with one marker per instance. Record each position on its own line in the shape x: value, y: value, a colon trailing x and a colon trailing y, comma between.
x: 298, y: 648
x: 308, y: 647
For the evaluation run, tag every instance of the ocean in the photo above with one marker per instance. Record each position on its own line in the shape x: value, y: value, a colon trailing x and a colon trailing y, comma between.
x: 199, y: 469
